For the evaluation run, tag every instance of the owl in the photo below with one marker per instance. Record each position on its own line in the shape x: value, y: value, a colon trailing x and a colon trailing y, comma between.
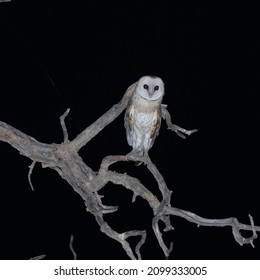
x: 143, y: 114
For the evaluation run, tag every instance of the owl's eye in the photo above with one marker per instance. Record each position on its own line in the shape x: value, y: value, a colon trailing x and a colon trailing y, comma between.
x: 146, y: 86
x: 156, y: 87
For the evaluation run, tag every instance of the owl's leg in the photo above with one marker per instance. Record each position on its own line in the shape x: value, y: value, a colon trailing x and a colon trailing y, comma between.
x: 133, y: 155
x: 138, y: 147
x: 136, y: 153
x: 139, y: 153
x: 147, y: 144
x: 146, y: 157
x: 141, y: 146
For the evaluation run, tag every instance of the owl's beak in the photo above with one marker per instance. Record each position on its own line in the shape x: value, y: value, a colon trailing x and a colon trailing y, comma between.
x: 150, y: 93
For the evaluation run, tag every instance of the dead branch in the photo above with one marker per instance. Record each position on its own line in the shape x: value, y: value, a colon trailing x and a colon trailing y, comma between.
x: 177, y: 129
x: 71, y: 248
x: 64, y: 159
x: 40, y: 257
x: 91, y: 131
x: 63, y: 126
x: 31, y: 167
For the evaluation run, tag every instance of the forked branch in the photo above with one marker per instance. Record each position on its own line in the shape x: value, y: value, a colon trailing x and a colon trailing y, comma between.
x: 64, y: 159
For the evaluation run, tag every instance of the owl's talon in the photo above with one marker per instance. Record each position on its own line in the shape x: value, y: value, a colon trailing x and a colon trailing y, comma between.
x: 144, y: 162
x: 139, y: 159
x: 129, y: 156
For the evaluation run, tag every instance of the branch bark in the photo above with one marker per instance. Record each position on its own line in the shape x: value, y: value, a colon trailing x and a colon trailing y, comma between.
x: 64, y: 159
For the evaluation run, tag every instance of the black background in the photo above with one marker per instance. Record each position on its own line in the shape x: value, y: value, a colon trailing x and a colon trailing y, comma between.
x: 56, y: 56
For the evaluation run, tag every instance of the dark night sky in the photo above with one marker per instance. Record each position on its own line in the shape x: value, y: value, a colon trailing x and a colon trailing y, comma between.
x: 56, y: 56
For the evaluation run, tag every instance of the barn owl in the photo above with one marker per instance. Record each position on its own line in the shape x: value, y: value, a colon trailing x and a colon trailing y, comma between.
x: 143, y: 115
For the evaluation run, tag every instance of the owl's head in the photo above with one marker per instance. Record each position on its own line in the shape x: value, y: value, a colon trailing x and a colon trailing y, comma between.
x: 150, y: 88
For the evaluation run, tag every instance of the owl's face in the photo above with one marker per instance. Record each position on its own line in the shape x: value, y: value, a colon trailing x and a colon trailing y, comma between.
x: 150, y: 88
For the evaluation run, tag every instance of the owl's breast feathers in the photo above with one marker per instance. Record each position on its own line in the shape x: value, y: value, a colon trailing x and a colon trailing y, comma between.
x: 144, y: 118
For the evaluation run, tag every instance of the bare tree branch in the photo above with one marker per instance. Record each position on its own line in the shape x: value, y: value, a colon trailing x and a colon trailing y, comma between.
x: 163, y: 210
x: 40, y: 257
x: 71, y: 247
x: 26, y: 145
x: 63, y: 125
x: 86, y: 135
x: 177, y: 129
x: 64, y: 159
x: 30, y: 173
x: 233, y: 222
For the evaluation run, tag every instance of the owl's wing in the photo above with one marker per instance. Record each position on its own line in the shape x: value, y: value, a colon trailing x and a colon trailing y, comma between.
x: 129, y: 123
x: 156, y: 124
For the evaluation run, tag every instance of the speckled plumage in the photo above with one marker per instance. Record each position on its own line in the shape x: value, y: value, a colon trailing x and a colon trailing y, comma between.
x: 143, y: 114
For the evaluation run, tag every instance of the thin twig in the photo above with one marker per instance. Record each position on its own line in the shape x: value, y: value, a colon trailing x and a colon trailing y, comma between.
x: 127, y: 234
x: 72, y: 249
x: 121, y: 238
x: 63, y: 125
x: 30, y: 173
x: 177, y: 129
x: 40, y: 257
